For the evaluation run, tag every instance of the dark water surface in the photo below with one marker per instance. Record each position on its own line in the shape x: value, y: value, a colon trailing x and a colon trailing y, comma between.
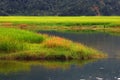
x: 107, y: 69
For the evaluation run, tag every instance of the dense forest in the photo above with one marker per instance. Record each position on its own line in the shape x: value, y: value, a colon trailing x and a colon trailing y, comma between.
x: 59, y: 7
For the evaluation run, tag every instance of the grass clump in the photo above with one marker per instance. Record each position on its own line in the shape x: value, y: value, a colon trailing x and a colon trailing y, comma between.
x: 70, y: 50
x: 21, y: 35
x: 10, y: 45
x: 26, y: 45
x: 12, y: 40
x: 58, y: 42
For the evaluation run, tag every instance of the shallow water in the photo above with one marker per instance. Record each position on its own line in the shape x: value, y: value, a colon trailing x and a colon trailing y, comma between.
x: 107, y: 69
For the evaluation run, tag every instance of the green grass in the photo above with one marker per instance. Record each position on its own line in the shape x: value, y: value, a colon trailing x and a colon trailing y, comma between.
x: 12, y: 40
x: 25, y: 45
x: 64, y: 21
x: 16, y: 44
x: 21, y: 35
x: 70, y: 23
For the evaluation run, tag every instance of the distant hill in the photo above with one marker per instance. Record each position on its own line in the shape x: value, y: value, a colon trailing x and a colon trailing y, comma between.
x: 60, y: 7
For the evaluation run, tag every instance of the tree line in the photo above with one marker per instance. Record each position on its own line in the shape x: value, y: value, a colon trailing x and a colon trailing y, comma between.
x: 60, y: 7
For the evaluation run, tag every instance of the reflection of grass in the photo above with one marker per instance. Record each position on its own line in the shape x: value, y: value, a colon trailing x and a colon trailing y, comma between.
x: 111, y: 31
x: 7, y: 67
x: 26, y: 45
x: 64, y: 65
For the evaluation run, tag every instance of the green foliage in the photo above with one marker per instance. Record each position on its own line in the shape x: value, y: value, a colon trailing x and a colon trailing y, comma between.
x: 59, y: 7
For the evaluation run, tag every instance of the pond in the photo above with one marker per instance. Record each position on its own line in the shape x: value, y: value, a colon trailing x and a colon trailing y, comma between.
x: 105, y: 69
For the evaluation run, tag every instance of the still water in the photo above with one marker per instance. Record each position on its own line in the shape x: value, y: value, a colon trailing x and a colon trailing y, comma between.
x: 106, y: 69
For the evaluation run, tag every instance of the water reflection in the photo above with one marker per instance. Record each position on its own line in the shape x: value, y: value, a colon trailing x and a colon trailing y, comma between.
x: 8, y: 67
x: 108, y: 69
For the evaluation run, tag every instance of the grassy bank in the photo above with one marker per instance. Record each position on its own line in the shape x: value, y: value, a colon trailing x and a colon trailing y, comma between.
x: 16, y: 44
x: 64, y: 21
x: 96, y: 23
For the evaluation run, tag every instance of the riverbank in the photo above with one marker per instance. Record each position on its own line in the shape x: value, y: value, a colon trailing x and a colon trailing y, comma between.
x: 76, y: 24
x: 101, y: 21
x: 16, y: 44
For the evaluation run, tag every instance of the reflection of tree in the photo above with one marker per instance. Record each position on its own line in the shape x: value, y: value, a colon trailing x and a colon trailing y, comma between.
x: 7, y: 67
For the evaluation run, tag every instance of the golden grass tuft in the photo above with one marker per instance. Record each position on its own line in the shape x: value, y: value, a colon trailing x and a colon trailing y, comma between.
x: 54, y: 42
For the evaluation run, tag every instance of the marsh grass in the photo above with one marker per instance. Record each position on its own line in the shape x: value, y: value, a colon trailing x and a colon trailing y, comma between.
x: 26, y: 45
x: 21, y: 35
x: 12, y: 40
x: 56, y: 48
x: 10, y: 45
x: 62, y: 21
x: 57, y: 42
